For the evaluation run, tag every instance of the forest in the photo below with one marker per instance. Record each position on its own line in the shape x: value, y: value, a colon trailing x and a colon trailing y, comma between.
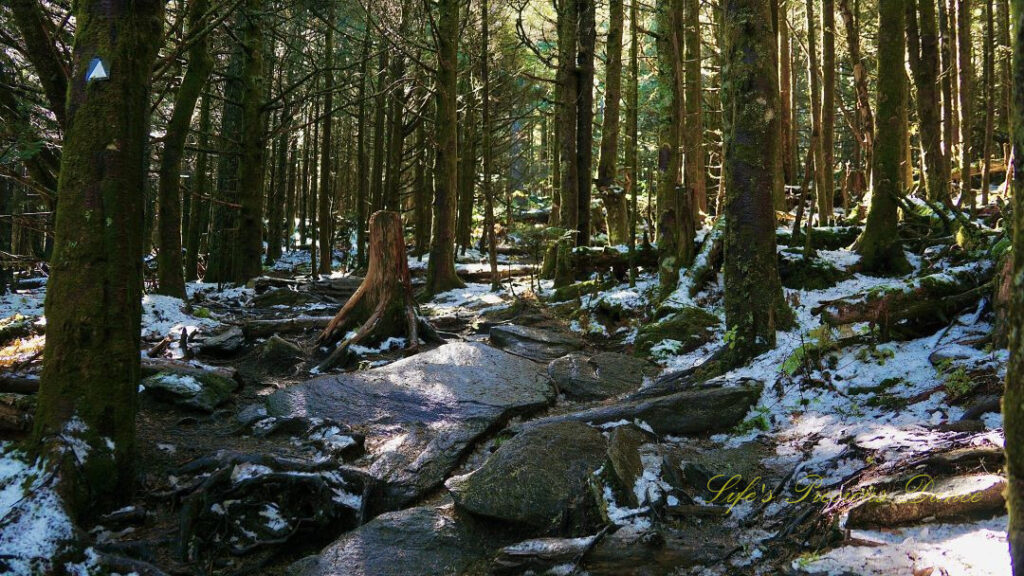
x: 474, y: 287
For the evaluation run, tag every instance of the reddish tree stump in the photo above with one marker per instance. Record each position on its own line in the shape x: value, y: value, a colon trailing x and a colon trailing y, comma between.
x: 383, y: 306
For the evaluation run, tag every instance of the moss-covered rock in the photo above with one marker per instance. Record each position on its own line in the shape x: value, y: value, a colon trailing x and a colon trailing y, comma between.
x: 691, y: 327
x: 203, y: 392
x: 599, y: 376
x: 537, y: 480
x: 802, y: 273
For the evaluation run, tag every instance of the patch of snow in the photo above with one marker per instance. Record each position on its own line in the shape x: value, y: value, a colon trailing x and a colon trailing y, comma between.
x: 165, y: 315
x: 247, y: 470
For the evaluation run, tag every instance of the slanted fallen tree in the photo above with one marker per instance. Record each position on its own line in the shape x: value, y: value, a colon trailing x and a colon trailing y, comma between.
x: 927, y: 299
x: 383, y: 306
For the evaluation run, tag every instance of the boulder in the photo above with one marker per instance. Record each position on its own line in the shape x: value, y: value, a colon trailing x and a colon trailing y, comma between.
x: 203, y: 392
x: 922, y: 497
x: 689, y: 412
x: 413, y: 542
x: 420, y: 415
x: 585, y: 376
x: 538, y: 479
x: 624, y: 466
x: 226, y: 343
x: 541, y: 344
x: 690, y: 328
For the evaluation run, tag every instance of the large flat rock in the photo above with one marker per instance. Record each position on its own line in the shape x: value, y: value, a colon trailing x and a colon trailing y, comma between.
x: 541, y: 344
x: 421, y: 414
x: 413, y: 542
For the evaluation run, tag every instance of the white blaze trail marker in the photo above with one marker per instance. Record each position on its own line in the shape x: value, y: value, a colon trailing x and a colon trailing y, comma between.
x: 97, y: 71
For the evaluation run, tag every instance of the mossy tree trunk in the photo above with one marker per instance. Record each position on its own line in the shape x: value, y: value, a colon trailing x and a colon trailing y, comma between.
x: 826, y: 196
x: 786, y: 98
x: 585, y: 116
x: 91, y: 368
x: 923, y: 52
x: 965, y: 76
x: 821, y: 171
x: 865, y: 117
x: 612, y: 195
x: 1013, y: 400
x: 696, y: 189
x: 754, y: 304
x: 170, y: 272
x: 224, y: 225
x: 879, y: 246
x: 441, y: 274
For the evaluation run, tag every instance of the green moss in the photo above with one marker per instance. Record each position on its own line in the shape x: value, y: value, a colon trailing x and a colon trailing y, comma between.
x: 692, y: 327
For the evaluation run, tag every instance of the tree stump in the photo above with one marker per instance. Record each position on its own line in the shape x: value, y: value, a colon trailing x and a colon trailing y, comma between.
x: 383, y: 306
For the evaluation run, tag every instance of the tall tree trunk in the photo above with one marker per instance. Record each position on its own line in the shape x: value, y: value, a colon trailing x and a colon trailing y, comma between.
x: 947, y: 72
x: 826, y: 196
x: 754, y: 304
x: 632, y: 173
x: 327, y: 149
x: 1013, y: 400
x: 200, y: 208
x: 817, y: 132
x: 441, y: 274
x: 223, y: 229
x: 922, y: 49
x: 42, y: 51
x: 585, y: 115
x: 695, y: 177
x: 865, y: 118
x: 612, y: 195
x: 170, y: 273
x: 990, y: 101
x: 380, y: 103
x: 879, y: 245
x: 966, y: 79
x: 785, y: 56
x: 467, y: 169
x: 568, y: 186
x: 89, y: 387
x: 423, y: 192
x: 488, y: 152
x: 249, y: 245
x: 675, y: 243
x: 363, y: 184
x: 314, y: 183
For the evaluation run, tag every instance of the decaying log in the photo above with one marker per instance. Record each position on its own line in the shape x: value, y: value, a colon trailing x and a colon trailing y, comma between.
x: 267, y: 328
x: 383, y: 306
x: 16, y: 412
x: 19, y: 383
x: 822, y: 237
x: 933, y: 297
x: 586, y: 260
x: 482, y: 272
x: 708, y: 259
x: 152, y: 366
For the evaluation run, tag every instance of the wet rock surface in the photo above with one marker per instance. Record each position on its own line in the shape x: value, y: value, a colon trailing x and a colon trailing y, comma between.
x: 598, y: 376
x: 538, y: 479
x: 922, y: 497
x: 417, y: 541
x: 421, y: 414
x: 693, y: 411
x: 541, y: 344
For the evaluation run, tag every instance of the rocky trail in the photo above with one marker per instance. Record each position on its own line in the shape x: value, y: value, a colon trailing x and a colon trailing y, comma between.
x: 534, y: 441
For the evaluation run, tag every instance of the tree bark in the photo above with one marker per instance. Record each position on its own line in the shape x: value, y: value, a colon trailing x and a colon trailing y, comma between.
x: 441, y: 274
x: 990, y: 102
x: 817, y: 131
x: 754, y: 304
x: 879, y: 245
x: 170, y: 272
x: 922, y: 49
x: 488, y: 152
x: 612, y: 194
x: 91, y: 366
x: 694, y: 173
x: 585, y: 116
x: 826, y: 195
x: 199, y: 210
x: 383, y: 306
x: 965, y: 87
x: 865, y: 118
x: 38, y: 33
x: 1013, y: 399
x: 327, y: 150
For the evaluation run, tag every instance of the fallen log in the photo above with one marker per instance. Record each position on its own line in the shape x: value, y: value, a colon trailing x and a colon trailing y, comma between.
x: 151, y: 366
x: 482, y: 272
x: 19, y: 383
x: 16, y: 412
x: 588, y: 259
x: 267, y: 328
x: 935, y: 297
x: 822, y: 237
x: 690, y: 412
x: 708, y: 259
